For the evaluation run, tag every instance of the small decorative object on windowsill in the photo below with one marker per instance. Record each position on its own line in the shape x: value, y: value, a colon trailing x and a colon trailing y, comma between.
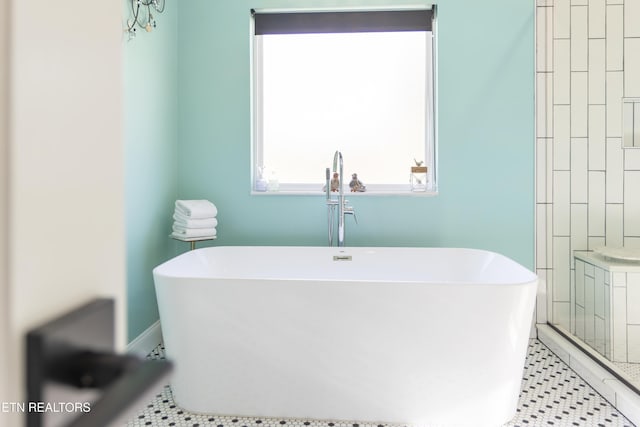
x: 335, y: 182
x: 356, y: 185
x: 418, y: 177
x: 273, y: 184
x: 261, y: 182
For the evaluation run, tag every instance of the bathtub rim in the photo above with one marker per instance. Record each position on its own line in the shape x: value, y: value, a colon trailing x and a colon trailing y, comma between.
x: 525, y: 277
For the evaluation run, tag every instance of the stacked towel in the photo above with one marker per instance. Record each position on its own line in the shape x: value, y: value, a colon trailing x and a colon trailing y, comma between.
x: 194, y: 219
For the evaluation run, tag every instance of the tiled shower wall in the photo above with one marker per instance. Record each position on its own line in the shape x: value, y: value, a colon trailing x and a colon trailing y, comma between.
x: 588, y: 186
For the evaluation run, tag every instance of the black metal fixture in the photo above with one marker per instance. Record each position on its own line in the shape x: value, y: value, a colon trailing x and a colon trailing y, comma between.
x: 142, y: 11
x: 74, y: 378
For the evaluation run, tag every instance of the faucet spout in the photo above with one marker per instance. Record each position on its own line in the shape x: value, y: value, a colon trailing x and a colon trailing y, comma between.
x: 338, y: 166
x: 337, y: 160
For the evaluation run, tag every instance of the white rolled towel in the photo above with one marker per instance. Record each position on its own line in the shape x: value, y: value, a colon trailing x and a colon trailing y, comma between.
x: 194, y: 232
x: 187, y: 222
x: 196, y: 209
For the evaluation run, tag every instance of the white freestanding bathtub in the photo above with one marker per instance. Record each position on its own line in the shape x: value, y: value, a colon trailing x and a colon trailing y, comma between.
x: 427, y: 336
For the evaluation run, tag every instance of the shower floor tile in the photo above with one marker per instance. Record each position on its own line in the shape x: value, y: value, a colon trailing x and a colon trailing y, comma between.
x: 551, y: 395
x: 631, y: 371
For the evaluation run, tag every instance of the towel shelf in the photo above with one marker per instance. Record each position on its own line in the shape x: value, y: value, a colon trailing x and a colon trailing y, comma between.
x: 192, y: 240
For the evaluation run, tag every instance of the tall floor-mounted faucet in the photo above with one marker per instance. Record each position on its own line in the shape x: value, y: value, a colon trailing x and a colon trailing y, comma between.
x: 334, y: 183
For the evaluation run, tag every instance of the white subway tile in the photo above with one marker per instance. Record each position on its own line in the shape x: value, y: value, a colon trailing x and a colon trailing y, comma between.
x: 589, y: 311
x: 542, y: 282
x: 562, y: 19
x: 636, y: 124
x: 544, y: 105
x: 544, y: 39
x: 549, y: 304
x: 633, y: 298
x: 633, y: 343
x: 548, y: 193
x: 579, y: 2
x: 615, y: 1
x: 596, y: 242
x: 579, y: 177
x: 596, y: 203
x: 607, y: 320
x: 632, y: 159
x: 619, y: 279
x: 544, y: 3
x: 632, y: 64
x: 627, y: 124
x: 579, y: 287
x: 561, y: 71
x: 589, y: 270
x: 615, y: 236
x: 579, y: 38
x: 631, y: 203
x: 597, y: 18
x: 541, y: 235
x: 572, y: 304
x: 579, y: 100
x: 619, y: 324
x: 615, y: 21
x: 614, y: 103
x: 579, y: 241
x: 541, y: 170
x: 599, y: 335
x: 598, y: 292
x: 561, y: 261
x: 632, y: 242
x: 615, y: 170
x: 597, y: 68
x: 561, y: 204
x: 549, y: 240
x: 561, y: 137
x: 597, y: 137
x: 561, y: 314
x: 541, y: 297
x: 631, y: 18
x: 579, y: 322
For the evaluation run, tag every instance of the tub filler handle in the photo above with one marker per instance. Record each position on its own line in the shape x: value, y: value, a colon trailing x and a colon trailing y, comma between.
x: 349, y: 210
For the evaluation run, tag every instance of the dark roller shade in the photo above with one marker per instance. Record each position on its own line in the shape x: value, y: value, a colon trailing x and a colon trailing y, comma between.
x: 341, y: 22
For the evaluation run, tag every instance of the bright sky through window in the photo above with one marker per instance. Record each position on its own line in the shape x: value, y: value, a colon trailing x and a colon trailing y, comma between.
x: 365, y: 94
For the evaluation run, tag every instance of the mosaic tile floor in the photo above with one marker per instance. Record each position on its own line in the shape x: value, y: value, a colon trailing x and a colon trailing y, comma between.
x: 551, y: 395
x: 630, y: 370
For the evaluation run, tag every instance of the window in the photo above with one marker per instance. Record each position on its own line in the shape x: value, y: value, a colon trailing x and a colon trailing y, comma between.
x: 358, y: 82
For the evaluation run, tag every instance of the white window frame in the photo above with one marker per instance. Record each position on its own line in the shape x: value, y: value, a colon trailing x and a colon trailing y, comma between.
x: 312, y: 189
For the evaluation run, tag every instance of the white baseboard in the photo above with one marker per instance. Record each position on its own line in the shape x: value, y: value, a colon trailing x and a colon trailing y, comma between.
x: 144, y: 343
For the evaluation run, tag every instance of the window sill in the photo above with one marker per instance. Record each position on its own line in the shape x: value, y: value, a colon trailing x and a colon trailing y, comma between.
x: 407, y: 193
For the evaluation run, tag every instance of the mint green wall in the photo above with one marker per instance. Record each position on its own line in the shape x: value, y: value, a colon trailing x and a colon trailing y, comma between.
x: 151, y: 177
x: 486, y: 134
x: 197, y: 144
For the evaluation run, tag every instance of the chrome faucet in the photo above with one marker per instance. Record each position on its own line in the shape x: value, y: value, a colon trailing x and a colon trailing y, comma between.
x: 341, y: 203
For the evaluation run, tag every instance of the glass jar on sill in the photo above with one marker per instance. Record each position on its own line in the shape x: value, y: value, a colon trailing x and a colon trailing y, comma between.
x: 419, y: 178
